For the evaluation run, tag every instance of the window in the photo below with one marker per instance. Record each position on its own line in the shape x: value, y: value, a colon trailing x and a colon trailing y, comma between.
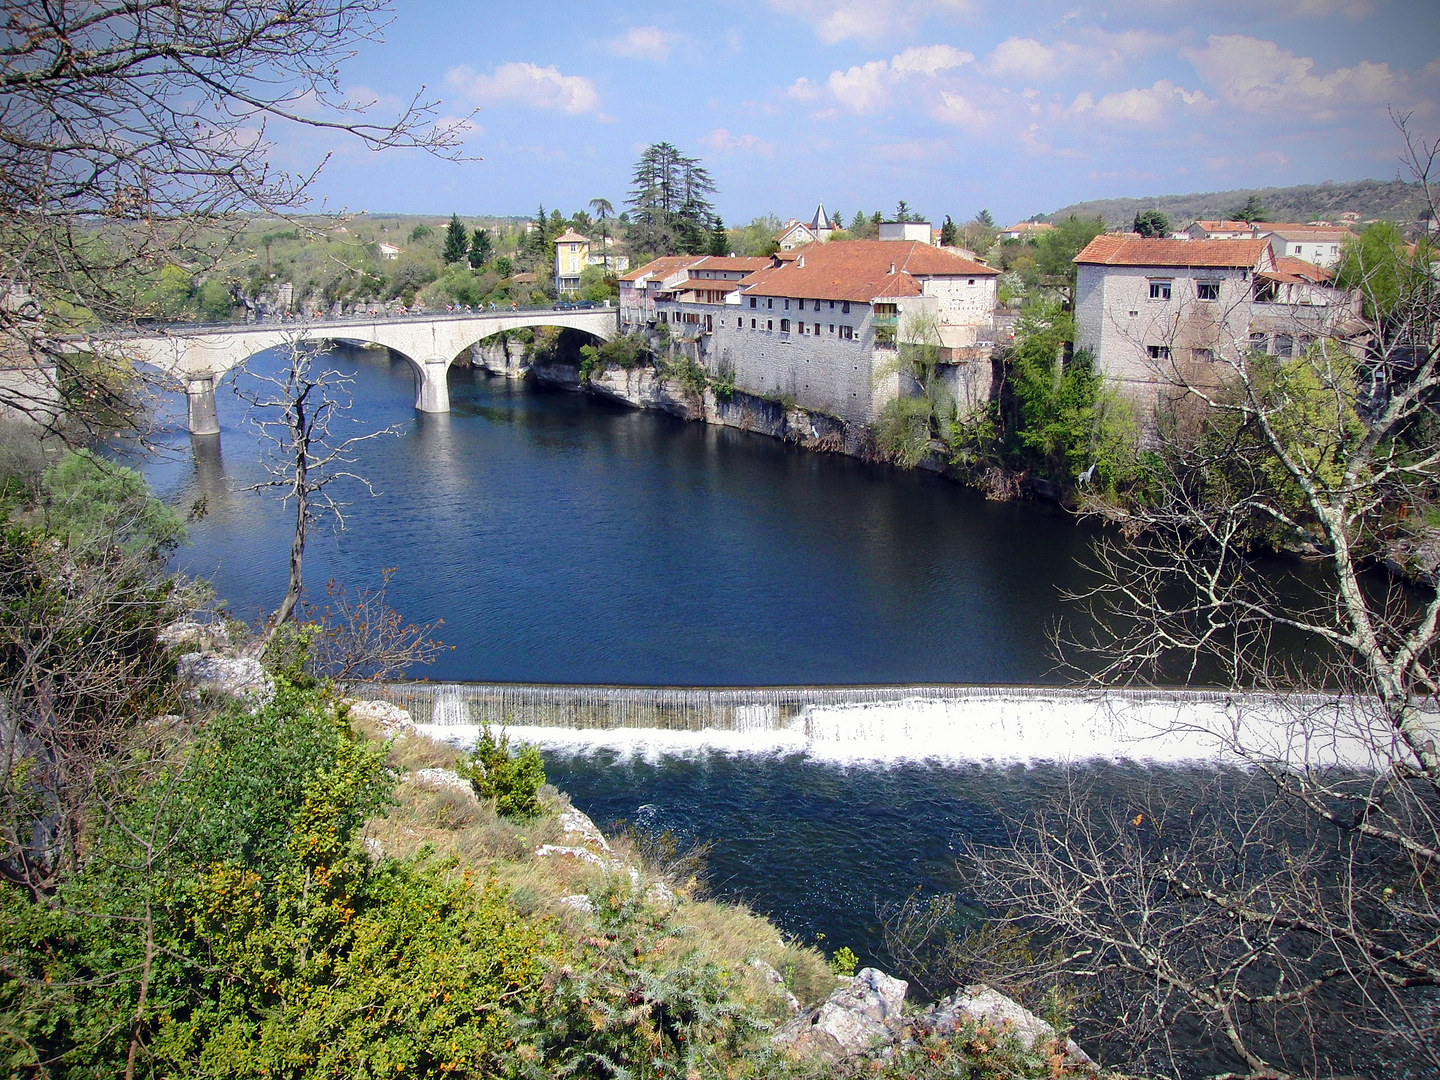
x: 787, y: 306
x: 1158, y: 352
x: 752, y: 324
x: 784, y: 326
x: 752, y: 301
x: 832, y: 328
x: 845, y: 307
x: 709, y: 324
x: 1160, y: 290
x: 1207, y: 290
x: 769, y: 324
x: 1203, y: 356
x: 832, y: 305
x: 970, y: 282
x: 847, y: 333
x: 770, y: 303
x: 739, y: 324
x: 1259, y: 343
x: 1284, y: 345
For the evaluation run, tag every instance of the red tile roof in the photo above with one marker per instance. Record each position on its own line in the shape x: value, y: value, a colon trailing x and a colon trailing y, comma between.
x: 1110, y: 250
x: 860, y: 270
x: 570, y: 236
x: 1288, y: 268
x: 663, y: 266
x: 731, y: 262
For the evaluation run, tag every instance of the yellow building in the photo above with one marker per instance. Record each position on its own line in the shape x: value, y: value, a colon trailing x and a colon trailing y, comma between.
x: 572, y: 252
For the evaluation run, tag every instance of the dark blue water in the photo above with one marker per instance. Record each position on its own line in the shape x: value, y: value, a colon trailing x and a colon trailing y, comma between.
x: 563, y: 539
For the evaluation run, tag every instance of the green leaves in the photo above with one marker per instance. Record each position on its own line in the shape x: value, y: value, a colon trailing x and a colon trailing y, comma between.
x: 511, y: 781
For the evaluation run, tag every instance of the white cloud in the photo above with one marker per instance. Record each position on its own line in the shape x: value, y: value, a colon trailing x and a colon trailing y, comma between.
x: 1024, y: 58
x: 802, y: 89
x: 1256, y: 75
x: 862, y: 89
x: 960, y: 111
x: 721, y: 141
x: 528, y: 85
x: 867, y: 88
x: 1433, y: 68
x: 868, y: 20
x: 1139, y: 105
x: 928, y: 59
x: 644, y: 43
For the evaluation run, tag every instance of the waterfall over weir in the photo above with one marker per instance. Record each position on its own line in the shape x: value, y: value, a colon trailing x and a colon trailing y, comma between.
x: 878, y: 724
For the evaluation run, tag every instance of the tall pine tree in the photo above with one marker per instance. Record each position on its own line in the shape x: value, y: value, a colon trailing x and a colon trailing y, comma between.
x: 668, y: 197
x: 457, y: 241
x: 480, y: 248
x: 719, y: 239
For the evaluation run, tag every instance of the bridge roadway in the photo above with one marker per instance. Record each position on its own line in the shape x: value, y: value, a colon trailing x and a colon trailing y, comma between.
x: 200, y: 355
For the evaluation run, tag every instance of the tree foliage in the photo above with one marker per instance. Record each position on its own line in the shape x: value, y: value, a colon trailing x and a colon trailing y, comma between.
x: 135, y: 136
x: 1151, y: 223
x: 457, y: 241
x: 670, y: 209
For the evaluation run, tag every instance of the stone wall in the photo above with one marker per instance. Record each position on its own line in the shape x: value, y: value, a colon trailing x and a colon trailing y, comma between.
x: 822, y: 371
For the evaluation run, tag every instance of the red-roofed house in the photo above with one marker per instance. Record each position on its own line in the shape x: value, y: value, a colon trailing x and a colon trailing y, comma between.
x: 818, y: 327
x: 681, y: 289
x: 1151, y: 309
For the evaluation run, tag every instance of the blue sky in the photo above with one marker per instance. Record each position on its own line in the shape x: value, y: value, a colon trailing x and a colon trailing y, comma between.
x: 952, y: 105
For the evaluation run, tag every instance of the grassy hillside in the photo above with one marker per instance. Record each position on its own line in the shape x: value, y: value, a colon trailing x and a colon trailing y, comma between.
x: 1393, y: 200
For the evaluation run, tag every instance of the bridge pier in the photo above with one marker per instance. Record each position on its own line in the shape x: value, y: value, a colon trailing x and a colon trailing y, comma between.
x: 201, y: 394
x: 432, y: 393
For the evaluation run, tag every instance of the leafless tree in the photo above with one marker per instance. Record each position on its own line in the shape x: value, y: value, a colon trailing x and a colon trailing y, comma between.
x: 363, y: 639
x: 1288, y: 910
x: 137, y: 134
x: 297, y: 413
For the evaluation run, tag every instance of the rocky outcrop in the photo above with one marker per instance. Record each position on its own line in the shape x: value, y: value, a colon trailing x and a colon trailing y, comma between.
x: 390, y: 719
x: 863, y: 1017
x: 860, y: 1016
x: 983, y: 1005
x: 213, y: 674
x: 196, y: 636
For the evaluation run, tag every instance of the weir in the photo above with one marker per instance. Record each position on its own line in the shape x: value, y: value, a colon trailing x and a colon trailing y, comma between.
x: 959, y: 723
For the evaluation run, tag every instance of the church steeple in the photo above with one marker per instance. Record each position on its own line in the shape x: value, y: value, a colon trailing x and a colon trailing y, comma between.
x: 821, y: 220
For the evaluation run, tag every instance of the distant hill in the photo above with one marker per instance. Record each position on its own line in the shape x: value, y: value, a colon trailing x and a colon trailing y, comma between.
x: 1392, y: 200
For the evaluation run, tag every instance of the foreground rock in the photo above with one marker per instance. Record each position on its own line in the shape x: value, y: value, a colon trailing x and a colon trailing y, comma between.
x: 982, y: 1005
x: 389, y: 718
x: 211, y: 674
x: 861, y: 1016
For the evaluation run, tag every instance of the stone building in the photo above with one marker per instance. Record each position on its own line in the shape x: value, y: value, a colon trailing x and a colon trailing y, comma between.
x: 681, y: 289
x: 1156, y: 312
x: 822, y: 328
x: 798, y: 233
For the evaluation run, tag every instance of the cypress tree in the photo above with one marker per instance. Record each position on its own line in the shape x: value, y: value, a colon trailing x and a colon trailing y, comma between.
x: 480, y: 248
x: 457, y: 241
x: 719, y: 239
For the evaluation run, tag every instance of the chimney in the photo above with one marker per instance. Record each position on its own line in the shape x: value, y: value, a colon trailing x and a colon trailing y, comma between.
x: 892, y: 268
x: 800, y: 262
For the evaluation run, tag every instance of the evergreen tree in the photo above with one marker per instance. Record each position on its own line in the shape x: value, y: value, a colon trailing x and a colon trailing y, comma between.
x: 1253, y: 210
x: 985, y: 218
x: 480, y: 248
x: 719, y: 239
x: 537, y: 244
x: 457, y: 241
x: 949, y: 234
x: 1152, y: 223
x: 668, y: 196
x: 858, y: 223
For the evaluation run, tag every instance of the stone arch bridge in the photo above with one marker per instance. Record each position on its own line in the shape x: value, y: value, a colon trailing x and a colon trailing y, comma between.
x: 200, y: 356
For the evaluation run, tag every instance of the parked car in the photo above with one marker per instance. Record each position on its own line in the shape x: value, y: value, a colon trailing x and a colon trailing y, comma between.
x: 563, y: 305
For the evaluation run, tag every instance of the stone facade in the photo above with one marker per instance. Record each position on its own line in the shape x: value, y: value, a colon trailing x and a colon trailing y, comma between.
x: 777, y: 349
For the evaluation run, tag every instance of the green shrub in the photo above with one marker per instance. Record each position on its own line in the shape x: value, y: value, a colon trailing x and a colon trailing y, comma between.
x: 89, y: 500
x: 844, y: 962
x: 512, y: 782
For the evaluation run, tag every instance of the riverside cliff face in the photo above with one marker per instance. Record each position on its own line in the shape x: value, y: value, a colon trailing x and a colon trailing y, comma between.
x: 645, y: 388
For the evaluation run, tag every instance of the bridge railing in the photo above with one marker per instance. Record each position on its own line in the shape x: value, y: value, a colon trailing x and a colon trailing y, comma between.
x: 359, y: 319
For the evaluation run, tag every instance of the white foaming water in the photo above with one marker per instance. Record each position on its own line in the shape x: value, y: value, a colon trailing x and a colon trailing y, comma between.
x: 971, y: 726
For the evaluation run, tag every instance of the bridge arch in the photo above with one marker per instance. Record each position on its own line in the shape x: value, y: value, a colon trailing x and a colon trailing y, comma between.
x: 201, y: 356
